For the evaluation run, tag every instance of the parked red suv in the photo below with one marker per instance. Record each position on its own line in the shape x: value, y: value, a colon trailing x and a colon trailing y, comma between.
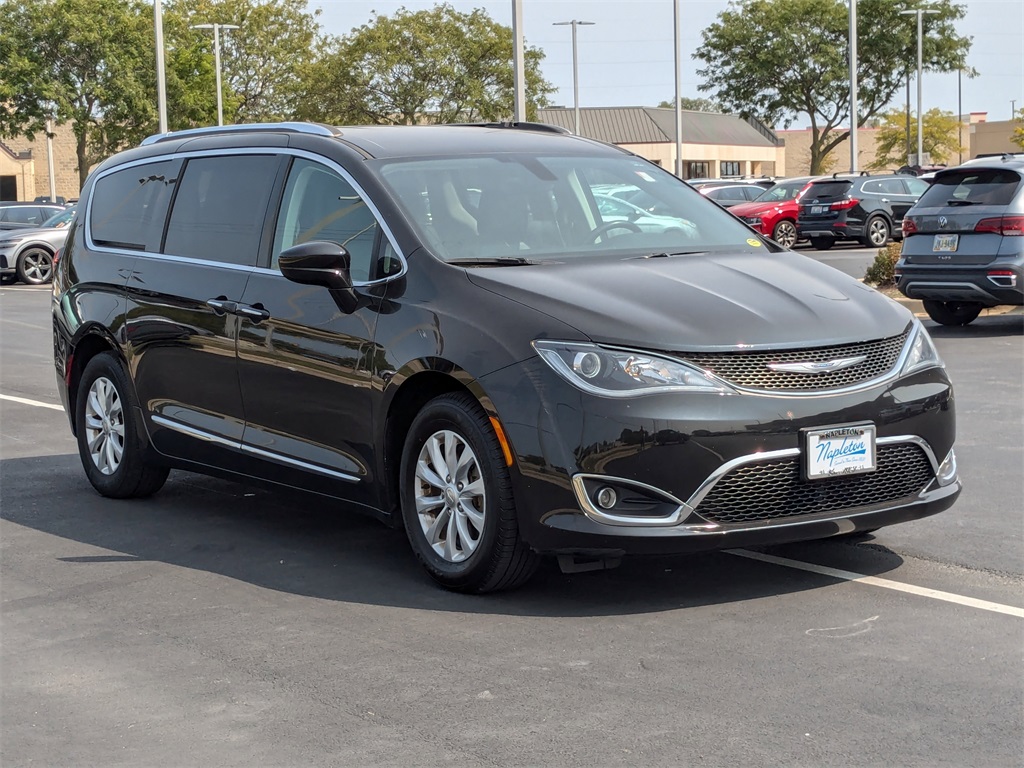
x: 774, y: 212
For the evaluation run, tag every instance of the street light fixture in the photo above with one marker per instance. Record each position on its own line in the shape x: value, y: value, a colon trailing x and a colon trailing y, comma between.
x: 919, y: 12
x: 216, y: 61
x: 575, y: 67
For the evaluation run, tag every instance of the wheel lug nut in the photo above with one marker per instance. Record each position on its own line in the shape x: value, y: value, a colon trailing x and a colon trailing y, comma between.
x: 459, y: 486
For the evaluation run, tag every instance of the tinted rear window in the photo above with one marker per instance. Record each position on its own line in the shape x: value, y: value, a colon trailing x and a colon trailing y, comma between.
x: 827, y: 190
x: 971, y: 187
x: 128, y: 206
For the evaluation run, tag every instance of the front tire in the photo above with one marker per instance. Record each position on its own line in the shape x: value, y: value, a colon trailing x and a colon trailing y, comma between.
x: 35, y: 266
x: 456, y: 497
x: 952, y: 312
x: 785, y: 233
x: 111, y: 443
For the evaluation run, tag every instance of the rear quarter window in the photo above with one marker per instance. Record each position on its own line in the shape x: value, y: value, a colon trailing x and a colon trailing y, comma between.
x: 127, y: 208
x: 972, y: 187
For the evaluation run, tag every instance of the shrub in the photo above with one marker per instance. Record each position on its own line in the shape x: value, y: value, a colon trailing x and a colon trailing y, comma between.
x: 880, y: 273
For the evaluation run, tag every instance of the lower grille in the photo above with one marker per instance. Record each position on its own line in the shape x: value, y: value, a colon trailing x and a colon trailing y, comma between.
x: 772, y: 490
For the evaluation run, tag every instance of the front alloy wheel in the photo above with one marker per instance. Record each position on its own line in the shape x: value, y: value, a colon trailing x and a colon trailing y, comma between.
x: 785, y: 233
x: 35, y: 266
x: 450, y: 496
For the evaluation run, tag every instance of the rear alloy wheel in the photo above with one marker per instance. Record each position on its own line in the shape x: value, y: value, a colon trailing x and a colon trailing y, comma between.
x: 111, y: 442
x: 456, y: 497
x: 822, y: 243
x: 876, y: 233
x: 35, y: 266
x: 952, y: 312
x: 785, y: 233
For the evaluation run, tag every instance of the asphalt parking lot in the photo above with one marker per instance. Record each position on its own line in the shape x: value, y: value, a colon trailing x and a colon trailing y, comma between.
x: 218, y: 624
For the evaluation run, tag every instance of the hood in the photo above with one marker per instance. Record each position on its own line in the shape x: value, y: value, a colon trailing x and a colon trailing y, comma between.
x: 756, y: 209
x: 702, y: 302
x: 33, y: 233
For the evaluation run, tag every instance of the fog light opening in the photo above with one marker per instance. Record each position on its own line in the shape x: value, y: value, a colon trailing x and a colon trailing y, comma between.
x: 947, y: 470
x: 606, y: 497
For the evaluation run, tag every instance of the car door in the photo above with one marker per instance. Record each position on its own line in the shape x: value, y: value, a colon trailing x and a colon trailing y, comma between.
x: 306, y: 365
x: 181, y: 327
x: 900, y: 198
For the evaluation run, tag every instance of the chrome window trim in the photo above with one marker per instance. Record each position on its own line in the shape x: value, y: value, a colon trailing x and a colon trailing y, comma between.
x: 312, y: 156
x: 246, y: 448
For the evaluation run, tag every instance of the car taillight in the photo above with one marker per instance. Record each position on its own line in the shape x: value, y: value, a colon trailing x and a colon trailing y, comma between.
x: 56, y: 257
x: 909, y: 226
x: 842, y: 205
x: 1002, y: 225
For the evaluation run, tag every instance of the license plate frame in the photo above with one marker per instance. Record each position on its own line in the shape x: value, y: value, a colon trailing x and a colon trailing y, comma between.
x: 817, y: 209
x: 945, y: 243
x: 839, y: 450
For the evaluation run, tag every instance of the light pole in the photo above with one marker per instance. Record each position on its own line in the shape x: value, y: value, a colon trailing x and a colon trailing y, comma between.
x: 677, y: 33
x: 575, y: 67
x: 919, y: 12
x: 854, y: 107
x: 216, y: 61
x: 518, y: 65
x: 161, y: 77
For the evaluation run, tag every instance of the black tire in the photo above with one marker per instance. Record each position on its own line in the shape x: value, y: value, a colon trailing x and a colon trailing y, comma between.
x: 499, y: 559
x: 134, y: 475
x: 785, y: 233
x: 35, y: 266
x: 822, y: 243
x: 876, y: 233
x: 952, y: 312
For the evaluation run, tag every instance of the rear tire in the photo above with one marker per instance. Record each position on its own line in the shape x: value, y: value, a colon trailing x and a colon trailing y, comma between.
x: 876, y: 233
x: 111, y: 442
x: 785, y: 233
x: 952, y: 312
x: 456, y: 497
x: 35, y: 266
x: 822, y: 243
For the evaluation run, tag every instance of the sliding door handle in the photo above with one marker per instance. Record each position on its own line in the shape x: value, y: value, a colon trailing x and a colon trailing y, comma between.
x: 255, y: 312
x: 222, y: 305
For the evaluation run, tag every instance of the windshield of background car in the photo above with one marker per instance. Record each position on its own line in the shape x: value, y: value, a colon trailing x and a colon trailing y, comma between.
x: 781, y: 192
x: 548, y: 207
x: 61, y: 219
x: 971, y: 187
x: 828, y: 190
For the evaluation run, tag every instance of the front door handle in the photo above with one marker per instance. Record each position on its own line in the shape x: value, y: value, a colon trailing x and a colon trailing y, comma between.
x: 885, y: 200
x: 222, y: 305
x: 255, y: 312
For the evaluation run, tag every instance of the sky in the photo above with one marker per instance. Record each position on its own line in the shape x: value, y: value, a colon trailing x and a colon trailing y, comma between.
x: 626, y: 58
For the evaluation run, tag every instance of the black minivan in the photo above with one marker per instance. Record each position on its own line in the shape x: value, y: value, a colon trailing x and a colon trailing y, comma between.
x: 435, y: 325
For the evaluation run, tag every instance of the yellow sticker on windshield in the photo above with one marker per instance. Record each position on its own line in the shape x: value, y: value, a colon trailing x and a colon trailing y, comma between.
x: 754, y: 242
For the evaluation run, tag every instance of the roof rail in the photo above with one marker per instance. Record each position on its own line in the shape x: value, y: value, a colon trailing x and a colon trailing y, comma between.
x: 521, y: 126
x: 315, y: 129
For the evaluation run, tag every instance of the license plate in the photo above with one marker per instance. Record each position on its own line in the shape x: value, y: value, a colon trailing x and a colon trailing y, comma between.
x: 817, y: 209
x: 945, y: 243
x: 840, y: 450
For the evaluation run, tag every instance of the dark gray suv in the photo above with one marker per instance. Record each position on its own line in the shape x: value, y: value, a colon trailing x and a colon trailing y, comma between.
x: 963, y: 247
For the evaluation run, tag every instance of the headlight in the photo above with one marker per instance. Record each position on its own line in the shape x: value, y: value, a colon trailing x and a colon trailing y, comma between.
x: 922, y: 351
x: 624, y: 373
x: 10, y: 242
x: 754, y: 221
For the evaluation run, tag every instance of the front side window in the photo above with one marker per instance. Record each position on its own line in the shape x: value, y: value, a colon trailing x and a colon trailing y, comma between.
x: 220, y: 207
x: 127, y: 208
x: 319, y: 204
x: 556, y: 207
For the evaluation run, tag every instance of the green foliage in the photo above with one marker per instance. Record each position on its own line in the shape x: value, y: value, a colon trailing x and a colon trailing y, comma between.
x: 437, y: 66
x: 881, y: 271
x: 1018, y: 132
x: 778, y: 59
x: 694, y: 105
x: 941, y: 131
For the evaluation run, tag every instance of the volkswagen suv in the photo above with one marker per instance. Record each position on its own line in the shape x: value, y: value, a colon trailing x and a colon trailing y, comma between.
x: 435, y: 325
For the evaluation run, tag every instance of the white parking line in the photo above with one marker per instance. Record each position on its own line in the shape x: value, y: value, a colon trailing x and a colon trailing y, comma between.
x: 36, y: 403
x: 874, y: 581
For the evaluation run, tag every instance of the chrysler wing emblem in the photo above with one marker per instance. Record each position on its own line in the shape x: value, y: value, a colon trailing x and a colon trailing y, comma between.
x: 943, y: 222
x: 824, y: 367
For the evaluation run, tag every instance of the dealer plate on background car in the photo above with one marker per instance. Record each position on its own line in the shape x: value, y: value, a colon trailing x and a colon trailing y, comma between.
x: 848, y: 449
x: 817, y: 208
x: 945, y: 243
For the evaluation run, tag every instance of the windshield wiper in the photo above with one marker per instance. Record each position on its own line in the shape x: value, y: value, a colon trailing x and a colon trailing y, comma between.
x: 664, y: 255
x: 497, y: 261
x: 960, y: 202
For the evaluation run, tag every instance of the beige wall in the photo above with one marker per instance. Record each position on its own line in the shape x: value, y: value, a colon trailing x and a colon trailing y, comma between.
x: 65, y: 164
x: 22, y: 169
x: 990, y: 138
x: 798, y: 151
x: 754, y: 161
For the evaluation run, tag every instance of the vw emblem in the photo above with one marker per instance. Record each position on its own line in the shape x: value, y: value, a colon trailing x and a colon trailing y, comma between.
x: 943, y: 222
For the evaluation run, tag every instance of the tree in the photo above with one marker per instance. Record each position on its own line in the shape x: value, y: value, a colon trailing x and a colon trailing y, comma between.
x: 1018, y: 132
x: 694, y: 105
x: 941, y: 137
x: 80, y: 61
x: 436, y: 66
x: 778, y: 59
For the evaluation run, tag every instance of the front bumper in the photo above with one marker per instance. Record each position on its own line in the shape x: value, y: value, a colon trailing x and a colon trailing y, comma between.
x: 679, y: 446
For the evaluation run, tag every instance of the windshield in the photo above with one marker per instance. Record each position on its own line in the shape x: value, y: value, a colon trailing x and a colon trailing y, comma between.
x: 61, y: 219
x: 781, y: 192
x: 543, y: 208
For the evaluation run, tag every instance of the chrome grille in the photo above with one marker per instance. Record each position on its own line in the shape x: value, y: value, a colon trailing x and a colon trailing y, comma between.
x: 773, y: 489
x: 750, y: 369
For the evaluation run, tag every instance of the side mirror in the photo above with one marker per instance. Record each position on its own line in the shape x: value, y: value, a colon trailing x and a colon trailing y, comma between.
x: 322, y: 263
